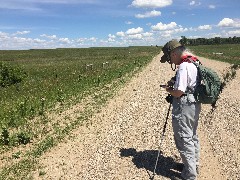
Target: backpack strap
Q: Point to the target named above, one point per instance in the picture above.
(190, 59)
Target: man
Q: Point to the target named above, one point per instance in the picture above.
(185, 111)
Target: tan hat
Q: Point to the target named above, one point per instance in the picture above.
(167, 48)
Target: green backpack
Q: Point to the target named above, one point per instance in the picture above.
(209, 85)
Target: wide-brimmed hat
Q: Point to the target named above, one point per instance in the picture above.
(167, 48)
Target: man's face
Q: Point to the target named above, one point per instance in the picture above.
(174, 58)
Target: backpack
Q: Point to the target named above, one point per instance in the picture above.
(209, 85)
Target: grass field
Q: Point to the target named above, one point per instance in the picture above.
(227, 52)
(61, 76)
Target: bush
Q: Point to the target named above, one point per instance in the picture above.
(10, 75)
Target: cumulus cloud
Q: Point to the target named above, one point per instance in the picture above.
(134, 31)
(135, 36)
(93, 39)
(153, 13)
(227, 22)
(81, 40)
(161, 27)
(151, 3)
(53, 37)
(111, 38)
(15, 41)
(120, 34)
(147, 34)
(3, 34)
(64, 40)
(205, 27)
(234, 33)
(39, 41)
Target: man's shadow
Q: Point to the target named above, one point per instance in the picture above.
(146, 159)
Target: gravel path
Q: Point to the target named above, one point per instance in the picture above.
(123, 139)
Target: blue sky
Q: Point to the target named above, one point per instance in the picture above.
(27, 24)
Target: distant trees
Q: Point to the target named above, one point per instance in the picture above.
(209, 41)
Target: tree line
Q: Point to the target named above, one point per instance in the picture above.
(209, 41)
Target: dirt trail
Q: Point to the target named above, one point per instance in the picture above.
(122, 140)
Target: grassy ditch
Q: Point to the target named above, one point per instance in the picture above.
(51, 82)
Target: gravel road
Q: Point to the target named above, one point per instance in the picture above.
(123, 139)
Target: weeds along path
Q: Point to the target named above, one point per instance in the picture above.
(122, 140)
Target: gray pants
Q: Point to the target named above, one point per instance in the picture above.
(185, 115)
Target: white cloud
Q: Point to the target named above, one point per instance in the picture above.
(147, 34)
(211, 6)
(111, 36)
(128, 22)
(234, 33)
(134, 31)
(161, 27)
(9, 41)
(111, 40)
(37, 40)
(180, 30)
(151, 3)
(135, 36)
(205, 27)
(192, 3)
(64, 40)
(153, 13)
(227, 22)
(21, 32)
(53, 37)
(81, 40)
(93, 39)
(3, 34)
(120, 34)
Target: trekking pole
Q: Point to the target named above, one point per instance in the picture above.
(162, 137)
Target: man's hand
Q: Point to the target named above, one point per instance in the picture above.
(175, 93)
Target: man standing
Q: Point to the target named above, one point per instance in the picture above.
(185, 111)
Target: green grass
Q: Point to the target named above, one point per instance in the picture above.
(58, 75)
(55, 80)
(231, 52)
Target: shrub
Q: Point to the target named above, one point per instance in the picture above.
(10, 75)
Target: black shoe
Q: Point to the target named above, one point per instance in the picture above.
(179, 167)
